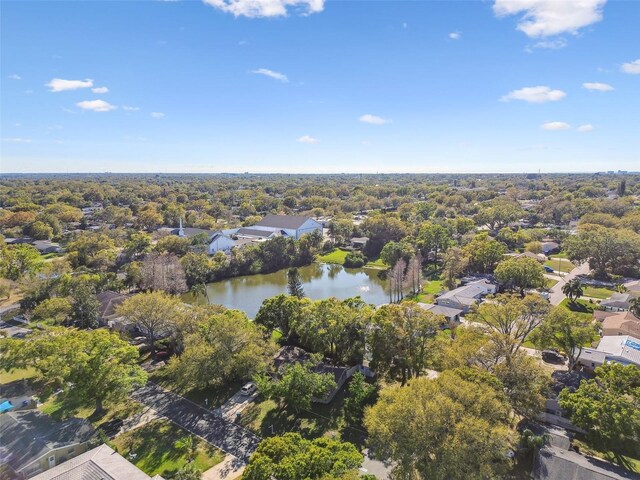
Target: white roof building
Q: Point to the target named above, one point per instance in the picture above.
(623, 349)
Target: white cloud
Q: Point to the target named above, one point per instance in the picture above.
(455, 35)
(17, 140)
(96, 105)
(545, 18)
(128, 108)
(266, 8)
(270, 73)
(404, 25)
(374, 119)
(585, 128)
(308, 139)
(157, 115)
(100, 90)
(601, 87)
(555, 126)
(539, 94)
(60, 85)
(631, 67)
(15, 77)
(554, 44)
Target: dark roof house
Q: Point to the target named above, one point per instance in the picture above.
(32, 442)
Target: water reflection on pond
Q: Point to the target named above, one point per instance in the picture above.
(319, 281)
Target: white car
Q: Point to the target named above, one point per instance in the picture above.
(248, 389)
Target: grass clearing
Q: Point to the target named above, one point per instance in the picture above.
(550, 282)
(154, 452)
(560, 264)
(429, 291)
(581, 307)
(558, 255)
(60, 407)
(596, 292)
(337, 255)
(17, 374)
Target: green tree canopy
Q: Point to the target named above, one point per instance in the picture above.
(520, 274)
(567, 331)
(400, 338)
(453, 427)
(607, 407)
(94, 365)
(291, 457)
(297, 384)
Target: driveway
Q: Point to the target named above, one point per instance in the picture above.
(223, 434)
(236, 405)
(557, 296)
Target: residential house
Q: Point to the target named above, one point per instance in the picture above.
(623, 349)
(451, 314)
(107, 316)
(557, 463)
(100, 463)
(466, 296)
(549, 248)
(47, 246)
(535, 256)
(617, 302)
(622, 323)
(359, 242)
(33, 442)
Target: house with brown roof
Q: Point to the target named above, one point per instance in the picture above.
(623, 323)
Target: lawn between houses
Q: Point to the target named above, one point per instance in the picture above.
(151, 447)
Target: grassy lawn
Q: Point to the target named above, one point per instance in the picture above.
(429, 291)
(560, 264)
(595, 292)
(155, 453)
(216, 395)
(550, 282)
(558, 255)
(59, 408)
(581, 307)
(337, 255)
(629, 462)
(266, 418)
(18, 374)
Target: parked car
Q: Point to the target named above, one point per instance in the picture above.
(548, 269)
(552, 356)
(248, 389)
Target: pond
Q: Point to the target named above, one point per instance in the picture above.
(319, 280)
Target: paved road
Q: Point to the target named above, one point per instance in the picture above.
(227, 436)
(556, 291)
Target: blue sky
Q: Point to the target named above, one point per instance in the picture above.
(313, 86)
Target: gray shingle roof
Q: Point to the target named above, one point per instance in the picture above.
(553, 463)
(283, 221)
(254, 232)
(28, 435)
(100, 463)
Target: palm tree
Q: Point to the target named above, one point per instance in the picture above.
(187, 445)
(573, 290)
